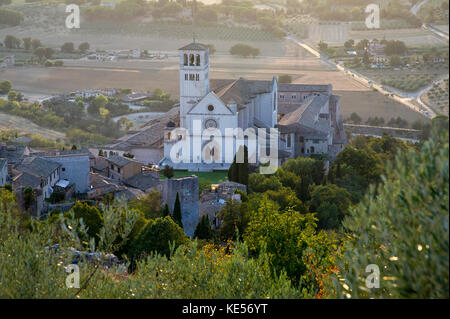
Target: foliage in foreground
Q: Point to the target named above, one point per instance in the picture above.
(29, 270)
(403, 229)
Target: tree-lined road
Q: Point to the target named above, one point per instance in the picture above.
(370, 83)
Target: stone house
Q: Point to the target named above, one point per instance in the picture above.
(314, 127)
(121, 168)
(75, 166)
(14, 154)
(46, 170)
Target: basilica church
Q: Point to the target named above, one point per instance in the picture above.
(306, 117)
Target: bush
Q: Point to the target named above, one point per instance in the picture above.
(244, 50)
(157, 237)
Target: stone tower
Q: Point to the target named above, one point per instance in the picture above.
(194, 77)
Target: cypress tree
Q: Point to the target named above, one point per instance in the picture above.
(165, 211)
(203, 229)
(243, 169)
(238, 172)
(177, 211)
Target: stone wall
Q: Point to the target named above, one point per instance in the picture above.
(402, 133)
(187, 188)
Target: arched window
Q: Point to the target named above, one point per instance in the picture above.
(198, 59)
(185, 59)
(192, 60)
(312, 150)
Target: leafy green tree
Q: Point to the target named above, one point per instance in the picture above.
(12, 96)
(49, 52)
(394, 60)
(403, 228)
(323, 47)
(157, 236)
(167, 171)
(27, 43)
(99, 102)
(28, 197)
(177, 217)
(91, 216)
(286, 199)
(349, 44)
(11, 42)
(331, 204)
(83, 47)
(166, 211)
(287, 238)
(203, 229)
(234, 216)
(311, 171)
(259, 183)
(244, 50)
(36, 43)
(366, 163)
(366, 58)
(5, 87)
(149, 205)
(40, 53)
(68, 47)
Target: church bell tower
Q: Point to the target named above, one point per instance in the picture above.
(194, 77)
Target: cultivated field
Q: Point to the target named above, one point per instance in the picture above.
(47, 23)
(412, 37)
(437, 98)
(370, 104)
(26, 126)
(148, 75)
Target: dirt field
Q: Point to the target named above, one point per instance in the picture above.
(26, 126)
(370, 104)
(148, 75)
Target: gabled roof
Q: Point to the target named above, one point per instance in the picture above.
(14, 153)
(239, 91)
(24, 180)
(306, 112)
(142, 181)
(38, 166)
(150, 135)
(194, 46)
(120, 161)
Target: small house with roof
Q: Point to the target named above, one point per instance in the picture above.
(121, 168)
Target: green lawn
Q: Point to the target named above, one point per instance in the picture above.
(209, 177)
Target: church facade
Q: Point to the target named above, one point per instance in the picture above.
(211, 109)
